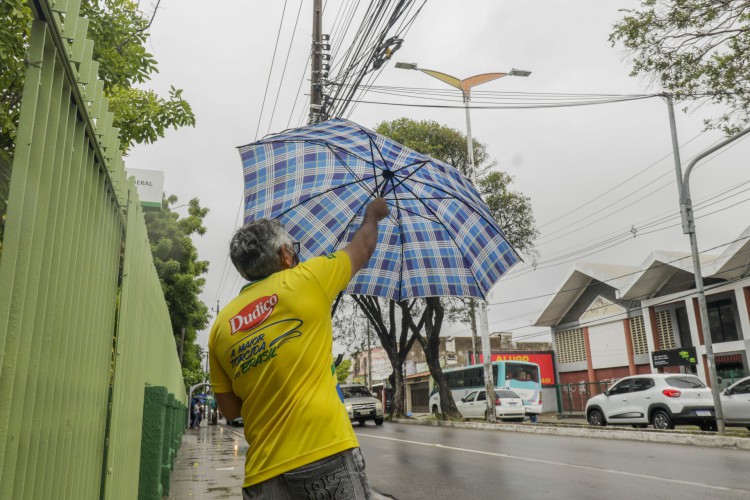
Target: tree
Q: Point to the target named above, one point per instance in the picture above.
(120, 33)
(192, 376)
(395, 339)
(180, 271)
(342, 371)
(510, 209)
(694, 49)
(438, 141)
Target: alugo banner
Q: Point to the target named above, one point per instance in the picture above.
(545, 360)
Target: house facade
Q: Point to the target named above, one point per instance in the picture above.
(608, 321)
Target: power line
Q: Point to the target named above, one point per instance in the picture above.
(655, 266)
(283, 71)
(270, 71)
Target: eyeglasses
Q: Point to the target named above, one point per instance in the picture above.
(295, 249)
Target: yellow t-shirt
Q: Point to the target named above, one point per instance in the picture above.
(272, 347)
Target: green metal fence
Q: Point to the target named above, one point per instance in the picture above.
(572, 398)
(84, 328)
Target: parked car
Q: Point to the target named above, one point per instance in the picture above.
(735, 402)
(237, 422)
(508, 405)
(663, 400)
(361, 405)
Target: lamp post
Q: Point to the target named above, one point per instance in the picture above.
(465, 87)
(688, 227)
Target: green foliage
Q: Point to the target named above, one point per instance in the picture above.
(342, 371)
(120, 34)
(694, 49)
(192, 376)
(511, 209)
(438, 141)
(180, 271)
(5, 163)
(15, 16)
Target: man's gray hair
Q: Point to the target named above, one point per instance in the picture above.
(254, 249)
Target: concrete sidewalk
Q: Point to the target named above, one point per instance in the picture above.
(210, 464)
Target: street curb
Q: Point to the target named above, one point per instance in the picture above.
(709, 441)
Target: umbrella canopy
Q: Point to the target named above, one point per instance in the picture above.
(439, 239)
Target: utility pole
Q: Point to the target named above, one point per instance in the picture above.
(688, 227)
(369, 359)
(316, 68)
(465, 87)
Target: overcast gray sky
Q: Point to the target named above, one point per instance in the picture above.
(561, 158)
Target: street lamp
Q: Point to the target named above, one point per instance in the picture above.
(465, 87)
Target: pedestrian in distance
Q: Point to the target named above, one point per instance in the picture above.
(271, 362)
(194, 412)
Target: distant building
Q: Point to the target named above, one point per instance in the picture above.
(611, 321)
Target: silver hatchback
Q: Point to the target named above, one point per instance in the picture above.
(662, 399)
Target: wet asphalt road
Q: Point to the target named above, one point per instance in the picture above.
(411, 462)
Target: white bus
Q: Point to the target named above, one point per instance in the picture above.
(521, 377)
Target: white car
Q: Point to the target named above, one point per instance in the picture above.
(508, 405)
(661, 399)
(735, 403)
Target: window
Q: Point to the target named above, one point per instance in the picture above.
(664, 327)
(482, 396)
(638, 335)
(356, 391)
(521, 373)
(743, 388)
(621, 387)
(470, 397)
(571, 347)
(685, 382)
(641, 384)
(506, 394)
(721, 319)
(683, 325)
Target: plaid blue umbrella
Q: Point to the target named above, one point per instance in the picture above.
(439, 239)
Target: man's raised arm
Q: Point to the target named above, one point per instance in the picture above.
(362, 246)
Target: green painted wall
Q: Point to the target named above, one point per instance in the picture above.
(82, 315)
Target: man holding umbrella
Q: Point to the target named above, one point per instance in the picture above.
(271, 363)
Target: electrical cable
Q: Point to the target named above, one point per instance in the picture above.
(270, 71)
(283, 71)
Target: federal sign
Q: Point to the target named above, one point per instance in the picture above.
(150, 186)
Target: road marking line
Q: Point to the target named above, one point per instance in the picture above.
(562, 464)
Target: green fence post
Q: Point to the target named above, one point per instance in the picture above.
(167, 452)
(558, 392)
(152, 441)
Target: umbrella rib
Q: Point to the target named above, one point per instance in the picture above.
(407, 177)
(399, 222)
(358, 181)
(450, 234)
(348, 225)
(335, 154)
(380, 153)
(456, 197)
